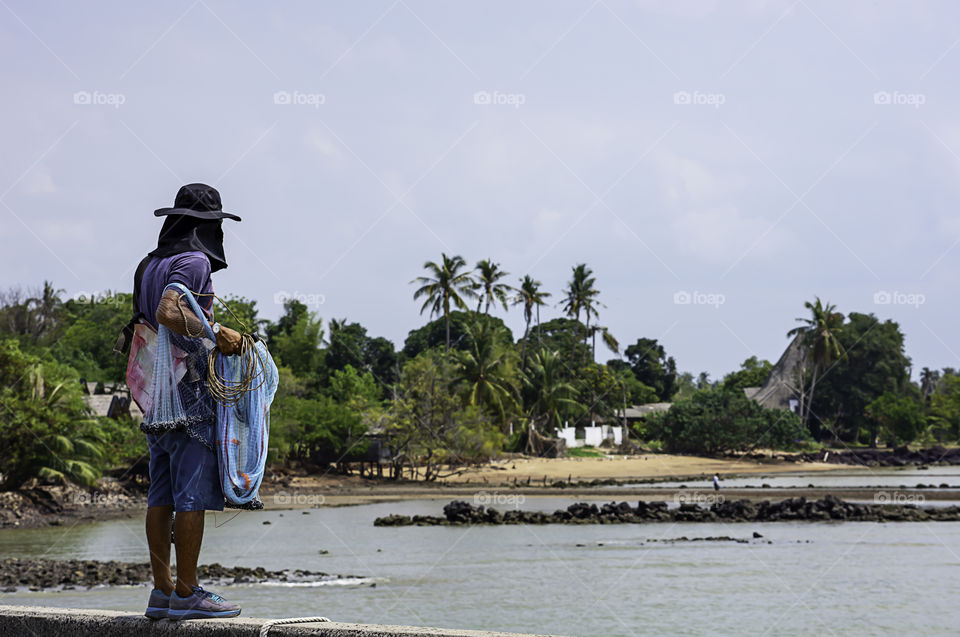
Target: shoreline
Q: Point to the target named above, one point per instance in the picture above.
(599, 479)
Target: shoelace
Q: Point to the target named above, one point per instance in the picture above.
(208, 594)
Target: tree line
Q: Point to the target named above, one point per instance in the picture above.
(462, 388)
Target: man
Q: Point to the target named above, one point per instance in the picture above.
(184, 476)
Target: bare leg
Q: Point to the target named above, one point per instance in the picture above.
(187, 536)
(158, 539)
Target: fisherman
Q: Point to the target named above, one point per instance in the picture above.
(184, 474)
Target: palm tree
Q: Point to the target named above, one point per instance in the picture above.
(487, 281)
(487, 370)
(581, 296)
(608, 339)
(819, 336)
(550, 393)
(44, 310)
(447, 285)
(531, 297)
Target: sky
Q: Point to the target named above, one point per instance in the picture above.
(715, 164)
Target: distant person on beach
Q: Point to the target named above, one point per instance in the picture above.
(716, 482)
(184, 472)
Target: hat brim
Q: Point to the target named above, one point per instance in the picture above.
(199, 214)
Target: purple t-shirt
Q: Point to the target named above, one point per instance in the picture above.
(191, 269)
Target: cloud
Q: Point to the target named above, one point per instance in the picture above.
(321, 141)
(38, 182)
(722, 235)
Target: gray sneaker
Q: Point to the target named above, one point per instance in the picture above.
(200, 604)
(158, 604)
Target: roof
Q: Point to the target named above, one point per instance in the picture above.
(642, 411)
(783, 383)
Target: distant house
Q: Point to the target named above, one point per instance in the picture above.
(603, 429)
(108, 401)
(637, 413)
(783, 386)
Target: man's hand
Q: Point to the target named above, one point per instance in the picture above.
(228, 341)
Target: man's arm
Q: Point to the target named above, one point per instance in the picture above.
(177, 317)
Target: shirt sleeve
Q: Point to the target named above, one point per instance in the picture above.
(192, 270)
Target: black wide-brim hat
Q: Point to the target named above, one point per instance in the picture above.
(197, 200)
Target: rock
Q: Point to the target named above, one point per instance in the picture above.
(829, 507)
(756, 535)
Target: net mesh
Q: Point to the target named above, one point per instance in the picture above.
(238, 429)
(243, 426)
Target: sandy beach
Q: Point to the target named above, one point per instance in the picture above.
(335, 490)
(641, 467)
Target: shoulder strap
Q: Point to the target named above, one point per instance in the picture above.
(123, 340)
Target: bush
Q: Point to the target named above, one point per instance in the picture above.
(45, 431)
(718, 421)
(899, 419)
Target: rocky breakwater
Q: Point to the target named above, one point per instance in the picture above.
(898, 457)
(828, 508)
(40, 574)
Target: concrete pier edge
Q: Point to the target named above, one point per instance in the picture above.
(43, 621)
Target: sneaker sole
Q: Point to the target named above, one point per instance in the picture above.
(154, 612)
(177, 615)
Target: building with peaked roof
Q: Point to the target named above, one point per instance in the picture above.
(784, 384)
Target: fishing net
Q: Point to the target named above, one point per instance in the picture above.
(243, 423)
(223, 401)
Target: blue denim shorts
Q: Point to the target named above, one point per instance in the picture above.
(184, 473)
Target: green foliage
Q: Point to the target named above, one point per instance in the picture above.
(874, 364)
(45, 431)
(752, 373)
(486, 370)
(567, 336)
(489, 287)
(241, 316)
(716, 421)
(899, 419)
(652, 367)
(427, 421)
(548, 395)
(350, 345)
(945, 408)
(599, 389)
(433, 334)
(295, 341)
(444, 288)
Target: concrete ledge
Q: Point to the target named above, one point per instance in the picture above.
(72, 622)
